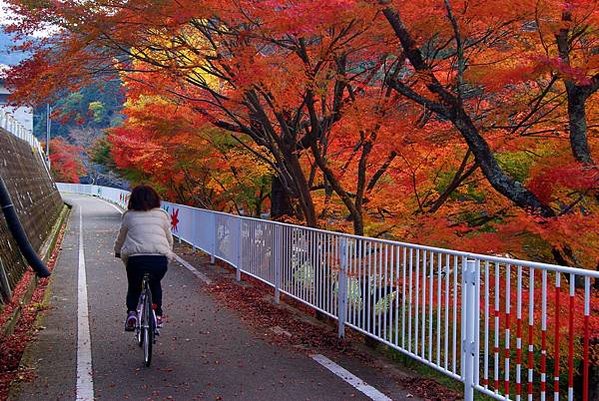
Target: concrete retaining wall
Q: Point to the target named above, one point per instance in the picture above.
(36, 200)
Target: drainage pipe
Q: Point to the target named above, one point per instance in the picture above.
(16, 229)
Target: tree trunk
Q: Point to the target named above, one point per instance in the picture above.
(503, 183)
(361, 185)
(356, 215)
(299, 181)
(578, 124)
(577, 96)
(450, 107)
(280, 200)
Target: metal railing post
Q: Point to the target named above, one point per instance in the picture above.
(213, 239)
(239, 236)
(194, 231)
(277, 255)
(342, 293)
(471, 324)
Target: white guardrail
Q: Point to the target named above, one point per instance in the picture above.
(510, 329)
(10, 124)
(14, 127)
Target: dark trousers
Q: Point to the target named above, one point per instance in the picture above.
(156, 265)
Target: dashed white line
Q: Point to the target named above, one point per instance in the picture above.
(85, 381)
(351, 379)
(192, 269)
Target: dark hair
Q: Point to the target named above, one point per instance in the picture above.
(144, 198)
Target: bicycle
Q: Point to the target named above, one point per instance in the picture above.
(146, 328)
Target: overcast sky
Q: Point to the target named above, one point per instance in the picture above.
(5, 17)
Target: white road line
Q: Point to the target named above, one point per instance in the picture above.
(178, 258)
(350, 378)
(118, 209)
(192, 269)
(85, 382)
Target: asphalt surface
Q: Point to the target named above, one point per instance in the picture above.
(203, 353)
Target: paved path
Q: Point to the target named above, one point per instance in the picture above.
(204, 352)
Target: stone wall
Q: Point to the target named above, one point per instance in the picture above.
(36, 200)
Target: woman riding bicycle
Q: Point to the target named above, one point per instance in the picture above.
(144, 244)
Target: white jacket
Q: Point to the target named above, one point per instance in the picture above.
(144, 233)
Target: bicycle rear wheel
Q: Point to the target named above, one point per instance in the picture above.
(148, 328)
(139, 328)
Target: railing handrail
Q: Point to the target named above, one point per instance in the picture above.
(473, 255)
(454, 252)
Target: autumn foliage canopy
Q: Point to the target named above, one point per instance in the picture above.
(453, 123)
(65, 162)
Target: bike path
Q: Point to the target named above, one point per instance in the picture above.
(203, 353)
